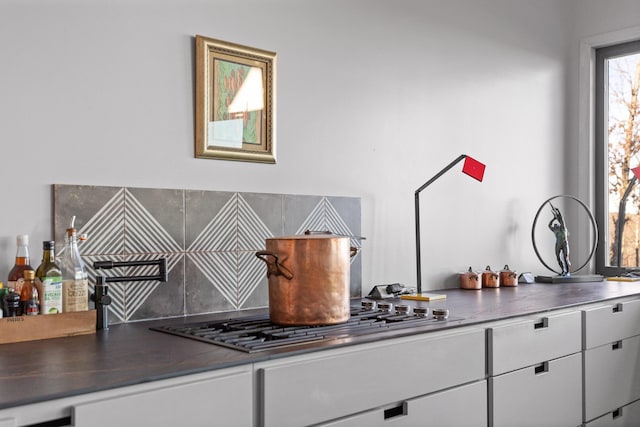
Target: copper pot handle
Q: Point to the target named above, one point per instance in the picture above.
(354, 251)
(272, 265)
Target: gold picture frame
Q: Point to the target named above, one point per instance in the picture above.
(235, 102)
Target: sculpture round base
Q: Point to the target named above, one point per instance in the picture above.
(576, 278)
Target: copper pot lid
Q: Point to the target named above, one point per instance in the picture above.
(314, 234)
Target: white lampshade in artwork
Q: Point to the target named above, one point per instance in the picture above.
(250, 96)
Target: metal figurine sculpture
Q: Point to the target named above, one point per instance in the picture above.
(559, 228)
(561, 232)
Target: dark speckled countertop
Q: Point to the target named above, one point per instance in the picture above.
(132, 353)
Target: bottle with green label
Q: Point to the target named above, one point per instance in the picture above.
(49, 280)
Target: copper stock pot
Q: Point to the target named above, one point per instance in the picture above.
(309, 277)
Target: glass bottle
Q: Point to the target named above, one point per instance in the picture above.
(49, 280)
(3, 291)
(16, 275)
(75, 284)
(29, 307)
(11, 303)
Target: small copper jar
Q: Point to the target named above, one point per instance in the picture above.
(508, 277)
(469, 280)
(490, 278)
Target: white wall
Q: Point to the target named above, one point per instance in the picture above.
(373, 98)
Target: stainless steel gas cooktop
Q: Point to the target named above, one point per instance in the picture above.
(258, 333)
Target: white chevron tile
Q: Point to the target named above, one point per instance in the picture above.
(251, 272)
(324, 217)
(136, 294)
(221, 232)
(220, 269)
(105, 228)
(143, 233)
(252, 231)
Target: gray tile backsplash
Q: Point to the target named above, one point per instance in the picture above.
(208, 237)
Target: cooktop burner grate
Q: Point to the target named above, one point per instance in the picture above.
(257, 333)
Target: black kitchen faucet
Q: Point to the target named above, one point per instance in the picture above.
(101, 295)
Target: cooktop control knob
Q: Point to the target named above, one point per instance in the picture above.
(385, 306)
(402, 309)
(421, 311)
(368, 305)
(440, 313)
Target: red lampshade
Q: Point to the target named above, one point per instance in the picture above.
(475, 169)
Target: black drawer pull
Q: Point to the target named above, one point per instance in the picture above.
(60, 422)
(617, 308)
(395, 411)
(616, 414)
(542, 323)
(616, 345)
(542, 368)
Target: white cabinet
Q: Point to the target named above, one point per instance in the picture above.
(531, 340)
(333, 384)
(463, 406)
(625, 416)
(221, 397)
(607, 323)
(612, 360)
(547, 394)
(535, 371)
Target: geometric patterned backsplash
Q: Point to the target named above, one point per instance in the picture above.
(209, 239)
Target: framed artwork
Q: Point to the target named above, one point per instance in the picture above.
(235, 102)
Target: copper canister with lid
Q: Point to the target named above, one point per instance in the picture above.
(490, 278)
(508, 277)
(470, 280)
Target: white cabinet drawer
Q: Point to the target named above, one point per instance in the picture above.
(533, 340)
(627, 416)
(223, 399)
(546, 395)
(438, 409)
(611, 376)
(321, 387)
(611, 323)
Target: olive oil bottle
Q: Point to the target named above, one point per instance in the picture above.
(49, 280)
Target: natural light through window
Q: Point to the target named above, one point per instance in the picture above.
(621, 130)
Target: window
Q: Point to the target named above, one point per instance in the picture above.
(617, 142)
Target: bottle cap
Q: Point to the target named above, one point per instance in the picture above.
(48, 244)
(29, 274)
(23, 239)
